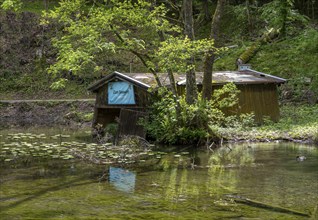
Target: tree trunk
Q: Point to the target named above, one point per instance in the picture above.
(249, 19)
(209, 59)
(250, 52)
(170, 73)
(205, 10)
(172, 82)
(191, 87)
(284, 13)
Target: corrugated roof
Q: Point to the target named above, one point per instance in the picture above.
(146, 80)
(238, 77)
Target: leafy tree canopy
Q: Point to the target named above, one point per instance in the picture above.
(92, 29)
(142, 28)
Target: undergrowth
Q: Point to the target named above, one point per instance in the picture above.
(37, 86)
(298, 122)
(37, 6)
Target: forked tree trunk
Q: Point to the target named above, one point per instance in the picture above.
(191, 87)
(209, 59)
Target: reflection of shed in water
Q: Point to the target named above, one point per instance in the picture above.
(122, 179)
(126, 96)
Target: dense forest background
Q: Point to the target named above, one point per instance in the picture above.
(29, 49)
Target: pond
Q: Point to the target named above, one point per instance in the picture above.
(240, 181)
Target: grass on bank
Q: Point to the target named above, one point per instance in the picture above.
(37, 86)
(298, 122)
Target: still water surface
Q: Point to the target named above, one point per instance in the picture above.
(194, 185)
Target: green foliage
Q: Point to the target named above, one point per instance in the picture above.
(279, 13)
(94, 31)
(226, 97)
(242, 121)
(294, 59)
(300, 55)
(58, 85)
(36, 85)
(78, 116)
(38, 6)
(35, 6)
(174, 53)
(14, 5)
(112, 129)
(315, 138)
(196, 122)
(298, 122)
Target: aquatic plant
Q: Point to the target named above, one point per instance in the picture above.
(19, 147)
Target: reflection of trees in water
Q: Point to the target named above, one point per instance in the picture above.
(171, 187)
(221, 177)
(221, 181)
(180, 187)
(232, 157)
(235, 170)
(210, 178)
(175, 181)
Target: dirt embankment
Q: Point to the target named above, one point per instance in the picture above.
(71, 114)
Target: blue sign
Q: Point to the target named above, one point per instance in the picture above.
(121, 93)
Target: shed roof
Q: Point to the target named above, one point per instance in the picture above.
(147, 80)
(120, 76)
(238, 77)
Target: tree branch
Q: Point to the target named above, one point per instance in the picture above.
(140, 56)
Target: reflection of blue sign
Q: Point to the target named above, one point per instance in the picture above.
(121, 93)
(122, 179)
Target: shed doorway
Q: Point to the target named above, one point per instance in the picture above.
(105, 116)
(129, 123)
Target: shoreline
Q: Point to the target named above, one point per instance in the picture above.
(77, 114)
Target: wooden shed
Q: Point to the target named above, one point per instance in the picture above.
(125, 97)
(120, 98)
(258, 91)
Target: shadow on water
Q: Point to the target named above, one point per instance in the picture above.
(72, 183)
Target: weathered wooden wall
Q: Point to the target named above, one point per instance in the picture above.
(262, 99)
(129, 123)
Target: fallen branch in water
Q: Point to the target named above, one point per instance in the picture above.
(315, 213)
(243, 200)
